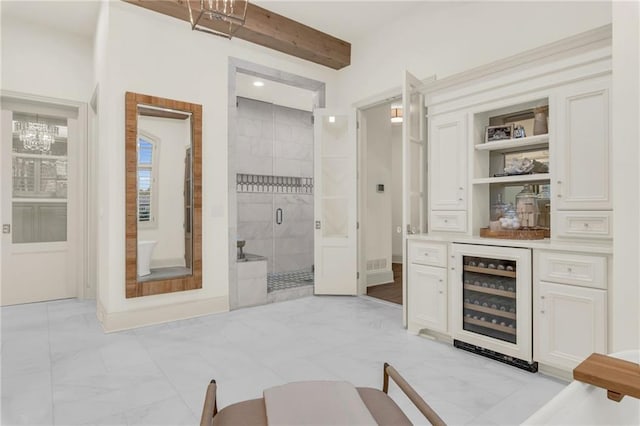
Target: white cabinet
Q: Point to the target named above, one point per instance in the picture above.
(427, 298)
(427, 286)
(448, 162)
(570, 324)
(582, 155)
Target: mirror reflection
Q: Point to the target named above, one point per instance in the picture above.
(164, 193)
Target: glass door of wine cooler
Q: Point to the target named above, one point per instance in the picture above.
(489, 292)
(491, 296)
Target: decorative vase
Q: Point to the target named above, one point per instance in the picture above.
(540, 121)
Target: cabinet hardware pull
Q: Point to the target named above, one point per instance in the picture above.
(459, 199)
(559, 182)
(559, 195)
(542, 312)
(586, 225)
(446, 221)
(426, 254)
(440, 292)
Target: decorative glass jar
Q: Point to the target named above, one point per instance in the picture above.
(527, 207)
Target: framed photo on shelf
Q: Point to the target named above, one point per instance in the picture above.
(498, 133)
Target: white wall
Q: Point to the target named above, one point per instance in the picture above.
(445, 38)
(46, 62)
(625, 294)
(396, 191)
(154, 54)
(378, 166)
(168, 231)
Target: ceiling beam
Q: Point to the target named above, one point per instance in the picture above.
(268, 29)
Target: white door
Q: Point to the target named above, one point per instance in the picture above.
(583, 148)
(428, 301)
(414, 170)
(448, 173)
(42, 215)
(560, 310)
(335, 202)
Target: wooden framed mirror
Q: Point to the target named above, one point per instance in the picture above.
(163, 157)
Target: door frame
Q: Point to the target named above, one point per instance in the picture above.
(389, 95)
(242, 66)
(81, 247)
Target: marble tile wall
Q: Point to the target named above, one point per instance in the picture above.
(278, 141)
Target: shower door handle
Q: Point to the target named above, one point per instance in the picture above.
(279, 216)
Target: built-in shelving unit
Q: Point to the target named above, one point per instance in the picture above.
(495, 163)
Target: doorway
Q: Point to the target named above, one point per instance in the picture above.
(381, 198)
(271, 242)
(43, 199)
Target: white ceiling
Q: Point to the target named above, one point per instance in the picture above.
(347, 20)
(275, 93)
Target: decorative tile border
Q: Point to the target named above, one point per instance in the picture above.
(273, 184)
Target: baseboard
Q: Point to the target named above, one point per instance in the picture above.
(118, 321)
(556, 372)
(379, 277)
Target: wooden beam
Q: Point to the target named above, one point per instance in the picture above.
(267, 29)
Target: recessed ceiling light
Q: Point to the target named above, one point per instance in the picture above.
(258, 83)
(332, 119)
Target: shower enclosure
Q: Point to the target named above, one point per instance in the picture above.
(274, 184)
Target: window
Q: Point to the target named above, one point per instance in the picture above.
(148, 150)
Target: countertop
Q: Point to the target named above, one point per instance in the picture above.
(604, 247)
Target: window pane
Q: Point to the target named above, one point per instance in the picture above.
(39, 168)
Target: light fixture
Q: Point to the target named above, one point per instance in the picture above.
(258, 83)
(396, 114)
(332, 119)
(36, 136)
(230, 13)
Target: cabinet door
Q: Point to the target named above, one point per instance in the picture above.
(427, 297)
(570, 324)
(583, 148)
(448, 162)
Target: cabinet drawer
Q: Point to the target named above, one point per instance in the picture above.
(577, 269)
(585, 224)
(427, 253)
(449, 221)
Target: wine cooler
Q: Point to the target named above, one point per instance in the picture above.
(492, 303)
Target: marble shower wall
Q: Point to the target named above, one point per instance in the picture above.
(277, 141)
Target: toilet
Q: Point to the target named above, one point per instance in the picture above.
(145, 250)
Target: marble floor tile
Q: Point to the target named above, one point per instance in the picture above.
(56, 358)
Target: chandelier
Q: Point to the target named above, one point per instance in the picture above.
(36, 136)
(231, 13)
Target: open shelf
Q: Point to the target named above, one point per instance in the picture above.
(530, 142)
(486, 324)
(489, 271)
(491, 311)
(495, 292)
(536, 177)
